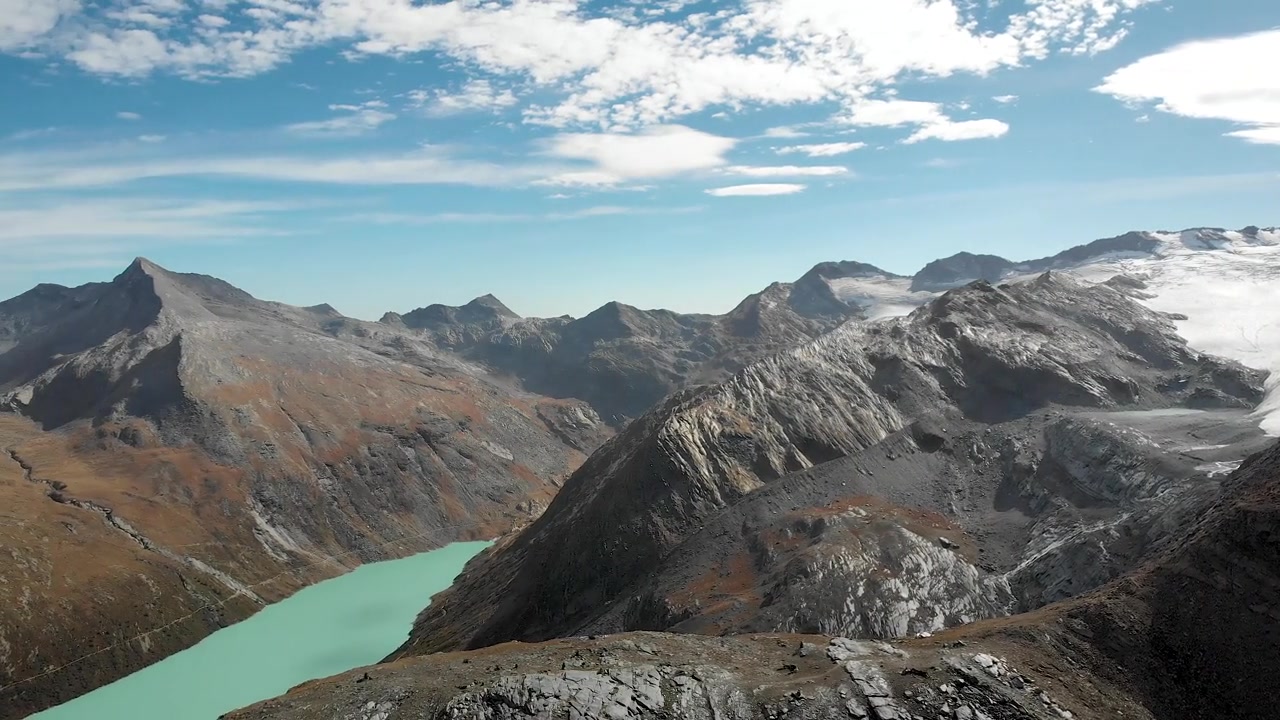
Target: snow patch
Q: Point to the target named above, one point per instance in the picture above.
(879, 296)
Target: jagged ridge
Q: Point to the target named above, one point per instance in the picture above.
(976, 355)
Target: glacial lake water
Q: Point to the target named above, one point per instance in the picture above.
(331, 627)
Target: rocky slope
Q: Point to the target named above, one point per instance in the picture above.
(1191, 635)
(1222, 286)
(960, 411)
(177, 453)
(648, 676)
(623, 360)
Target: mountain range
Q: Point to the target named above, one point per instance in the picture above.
(856, 453)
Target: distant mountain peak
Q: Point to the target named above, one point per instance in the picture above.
(493, 303)
(484, 310)
(846, 269)
(323, 309)
(960, 269)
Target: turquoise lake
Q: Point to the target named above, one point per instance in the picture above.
(331, 627)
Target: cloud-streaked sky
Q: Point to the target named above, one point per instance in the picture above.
(384, 154)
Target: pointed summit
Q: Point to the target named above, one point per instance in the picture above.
(142, 266)
(488, 301)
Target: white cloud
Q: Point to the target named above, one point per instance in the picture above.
(143, 14)
(125, 115)
(822, 149)
(787, 170)
(151, 138)
(1260, 135)
(457, 217)
(784, 132)
(931, 122)
(893, 113)
(1005, 99)
(952, 131)
(1232, 79)
(657, 152)
(475, 96)
(213, 21)
(757, 190)
(353, 120)
(23, 22)
(596, 67)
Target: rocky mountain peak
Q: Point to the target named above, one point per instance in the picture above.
(324, 310)
(485, 311)
(845, 269)
(958, 269)
(494, 304)
(611, 321)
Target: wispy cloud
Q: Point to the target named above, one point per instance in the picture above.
(786, 170)
(821, 149)
(110, 166)
(32, 134)
(351, 120)
(463, 217)
(757, 190)
(126, 115)
(475, 96)
(82, 233)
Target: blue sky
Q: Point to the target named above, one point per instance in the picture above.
(385, 154)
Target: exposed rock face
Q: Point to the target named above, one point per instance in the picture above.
(651, 676)
(1191, 634)
(236, 451)
(978, 359)
(1197, 629)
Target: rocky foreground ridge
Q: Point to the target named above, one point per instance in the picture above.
(1190, 634)
(175, 453)
(976, 472)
